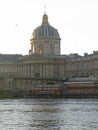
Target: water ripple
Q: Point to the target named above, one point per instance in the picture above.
(49, 114)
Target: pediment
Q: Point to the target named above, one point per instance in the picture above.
(34, 58)
(38, 58)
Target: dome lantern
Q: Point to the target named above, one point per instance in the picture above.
(45, 19)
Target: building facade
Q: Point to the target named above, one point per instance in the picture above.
(44, 62)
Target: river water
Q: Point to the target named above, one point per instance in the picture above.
(49, 114)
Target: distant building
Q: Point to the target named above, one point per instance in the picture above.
(44, 62)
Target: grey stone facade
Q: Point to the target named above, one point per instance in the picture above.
(44, 62)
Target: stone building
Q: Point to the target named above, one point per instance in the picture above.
(8, 70)
(45, 63)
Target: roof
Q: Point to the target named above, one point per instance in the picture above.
(9, 57)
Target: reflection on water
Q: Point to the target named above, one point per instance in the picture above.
(49, 114)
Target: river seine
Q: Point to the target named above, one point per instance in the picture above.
(49, 114)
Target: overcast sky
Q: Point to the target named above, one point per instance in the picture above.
(75, 20)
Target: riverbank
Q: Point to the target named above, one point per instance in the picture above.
(11, 94)
(22, 94)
